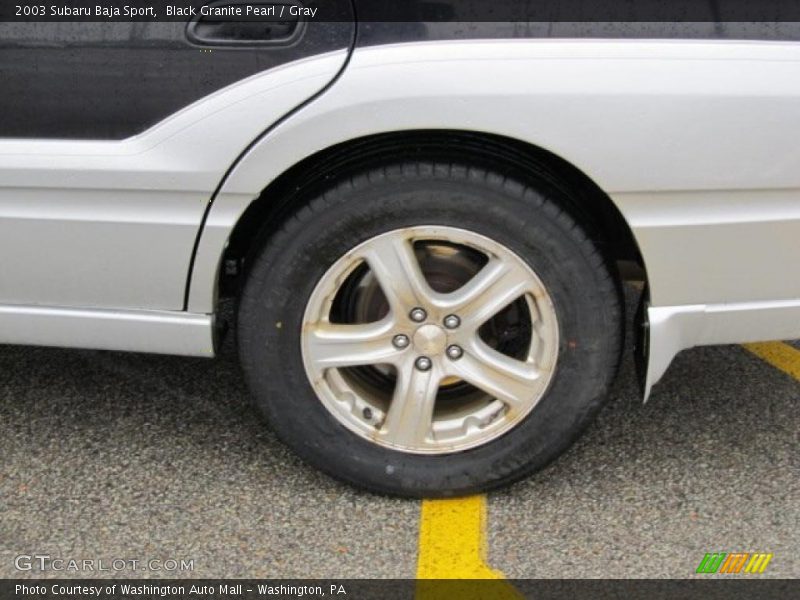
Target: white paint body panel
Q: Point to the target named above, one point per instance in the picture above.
(632, 115)
(676, 328)
(696, 142)
(112, 224)
(718, 247)
(163, 332)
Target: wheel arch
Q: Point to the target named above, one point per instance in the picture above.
(471, 102)
(521, 160)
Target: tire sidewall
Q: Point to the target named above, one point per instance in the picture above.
(286, 272)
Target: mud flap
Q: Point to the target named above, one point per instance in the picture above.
(641, 333)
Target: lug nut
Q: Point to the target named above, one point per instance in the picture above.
(418, 315)
(454, 352)
(400, 341)
(452, 321)
(423, 363)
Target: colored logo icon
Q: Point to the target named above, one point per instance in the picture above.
(734, 562)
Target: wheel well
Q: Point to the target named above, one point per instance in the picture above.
(585, 201)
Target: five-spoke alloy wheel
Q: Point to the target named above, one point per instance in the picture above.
(438, 370)
(429, 329)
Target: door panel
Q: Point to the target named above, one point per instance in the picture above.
(114, 80)
(110, 220)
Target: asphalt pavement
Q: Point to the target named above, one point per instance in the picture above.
(112, 455)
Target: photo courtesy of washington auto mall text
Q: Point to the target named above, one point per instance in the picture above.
(158, 590)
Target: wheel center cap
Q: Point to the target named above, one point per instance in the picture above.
(430, 340)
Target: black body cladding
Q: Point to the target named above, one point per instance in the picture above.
(115, 80)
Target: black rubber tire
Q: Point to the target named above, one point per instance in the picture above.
(523, 218)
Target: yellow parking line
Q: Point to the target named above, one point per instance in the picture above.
(452, 533)
(778, 354)
(452, 545)
(452, 540)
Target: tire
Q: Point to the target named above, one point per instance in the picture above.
(523, 219)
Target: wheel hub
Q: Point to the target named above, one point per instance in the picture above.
(430, 340)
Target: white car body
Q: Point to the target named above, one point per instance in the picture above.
(695, 143)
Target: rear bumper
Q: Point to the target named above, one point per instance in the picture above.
(675, 328)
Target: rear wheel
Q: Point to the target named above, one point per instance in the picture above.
(429, 330)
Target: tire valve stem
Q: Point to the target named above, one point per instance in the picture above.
(367, 412)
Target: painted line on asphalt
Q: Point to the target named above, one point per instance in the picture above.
(779, 355)
(452, 540)
(453, 545)
(452, 533)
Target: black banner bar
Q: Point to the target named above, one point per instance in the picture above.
(719, 11)
(700, 588)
